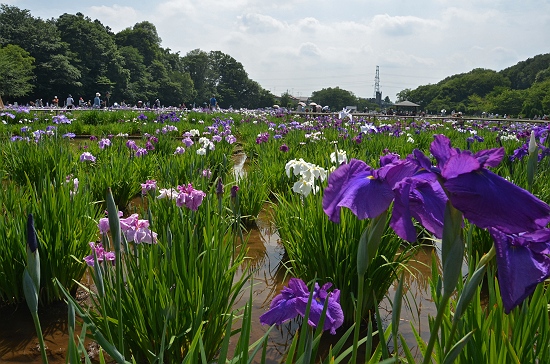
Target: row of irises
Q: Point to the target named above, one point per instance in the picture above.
(306, 139)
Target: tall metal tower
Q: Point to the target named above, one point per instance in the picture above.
(377, 92)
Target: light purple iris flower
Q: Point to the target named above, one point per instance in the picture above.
(483, 197)
(103, 143)
(149, 185)
(100, 253)
(523, 263)
(187, 141)
(189, 197)
(140, 152)
(87, 157)
(137, 230)
(292, 301)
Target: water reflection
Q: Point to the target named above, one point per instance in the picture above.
(264, 257)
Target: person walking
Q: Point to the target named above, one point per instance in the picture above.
(70, 102)
(213, 103)
(97, 101)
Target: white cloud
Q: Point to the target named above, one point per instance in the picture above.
(253, 23)
(116, 17)
(309, 50)
(401, 25)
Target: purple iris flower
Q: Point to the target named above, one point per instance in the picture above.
(149, 185)
(365, 191)
(523, 262)
(483, 197)
(187, 141)
(104, 143)
(87, 157)
(230, 139)
(140, 152)
(189, 197)
(368, 193)
(101, 254)
(132, 145)
(423, 198)
(292, 301)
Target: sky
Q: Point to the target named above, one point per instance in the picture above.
(301, 46)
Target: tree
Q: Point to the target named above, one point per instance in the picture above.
(231, 81)
(16, 71)
(287, 101)
(94, 49)
(404, 95)
(336, 98)
(536, 98)
(144, 37)
(524, 74)
(508, 102)
(196, 63)
(55, 69)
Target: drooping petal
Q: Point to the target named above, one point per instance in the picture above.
(284, 311)
(490, 157)
(488, 200)
(334, 316)
(283, 307)
(520, 269)
(401, 219)
(351, 185)
(423, 198)
(460, 164)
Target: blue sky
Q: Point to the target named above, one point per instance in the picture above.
(306, 45)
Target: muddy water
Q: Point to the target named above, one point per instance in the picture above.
(18, 340)
(265, 252)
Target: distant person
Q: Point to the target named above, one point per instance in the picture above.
(70, 102)
(213, 103)
(97, 101)
(55, 101)
(81, 102)
(157, 104)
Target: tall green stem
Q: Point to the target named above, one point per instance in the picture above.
(40, 337)
(358, 316)
(435, 328)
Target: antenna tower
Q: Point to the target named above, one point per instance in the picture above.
(377, 93)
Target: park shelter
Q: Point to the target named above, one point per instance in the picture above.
(406, 106)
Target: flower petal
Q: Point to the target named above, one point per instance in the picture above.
(520, 269)
(352, 185)
(489, 200)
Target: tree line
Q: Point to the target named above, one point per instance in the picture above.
(522, 90)
(73, 54)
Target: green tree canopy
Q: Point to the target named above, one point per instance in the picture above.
(55, 69)
(16, 71)
(95, 52)
(336, 98)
